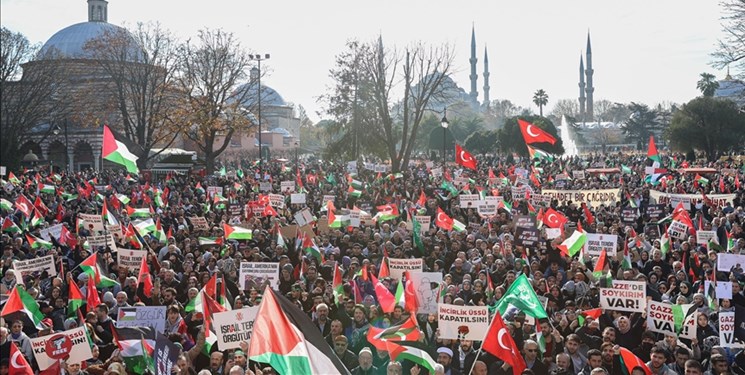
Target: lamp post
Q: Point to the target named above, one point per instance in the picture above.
(259, 59)
(297, 144)
(444, 123)
(56, 131)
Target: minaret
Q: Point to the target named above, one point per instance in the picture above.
(486, 79)
(97, 11)
(589, 89)
(581, 89)
(474, 77)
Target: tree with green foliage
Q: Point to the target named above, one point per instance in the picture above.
(640, 125)
(540, 98)
(707, 124)
(707, 84)
(482, 141)
(511, 139)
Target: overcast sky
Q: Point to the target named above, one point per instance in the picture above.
(644, 51)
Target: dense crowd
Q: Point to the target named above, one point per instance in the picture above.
(478, 263)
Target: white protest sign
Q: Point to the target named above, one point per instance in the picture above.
(258, 274)
(425, 222)
(2, 170)
(327, 198)
(463, 322)
(436, 172)
(72, 346)
(519, 193)
(678, 230)
(92, 221)
(265, 186)
(129, 258)
(102, 240)
(297, 198)
(716, 200)
(142, 316)
(597, 242)
(468, 200)
(426, 285)
(23, 268)
(624, 296)
(212, 190)
(303, 217)
(723, 289)
(234, 327)
(486, 208)
(661, 318)
(398, 266)
(52, 232)
(725, 262)
(704, 236)
(287, 186)
(552, 233)
(354, 218)
(277, 200)
(727, 330)
(578, 175)
(199, 223)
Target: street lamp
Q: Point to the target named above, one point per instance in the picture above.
(56, 130)
(259, 59)
(444, 123)
(297, 144)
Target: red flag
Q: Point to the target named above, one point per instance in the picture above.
(737, 182)
(721, 185)
(144, 277)
(589, 219)
(92, 298)
(600, 265)
(410, 293)
(269, 211)
(499, 343)
(630, 360)
(554, 219)
(384, 271)
(422, 201)
(24, 205)
(442, 220)
(67, 238)
(386, 299)
(534, 134)
(60, 212)
(464, 158)
(18, 364)
(43, 209)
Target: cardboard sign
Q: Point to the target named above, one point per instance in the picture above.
(468, 200)
(398, 266)
(289, 231)
(426, 285)
(597, 242)
(23, 268)
(624, 296)
(258, 274)
(129, 258)
(142, 316)
(660, 318)
(463, 322)
(425, 223)
(72, 346)
(527, 237)
(704, 236)
(234, 327)
(593, 198)
(524, 221)
(726, 262)
(678, 230)
(199, 223)
(287, 187)
(727, 330)
(297, 198)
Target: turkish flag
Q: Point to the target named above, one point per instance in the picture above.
(24, 205)
(464, 158)
(18, 363)
(553, 218)
(92, 299)
(500, 344)
(534, 134)
(442, 220)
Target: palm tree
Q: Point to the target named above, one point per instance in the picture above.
(707, 84)
(540, 98)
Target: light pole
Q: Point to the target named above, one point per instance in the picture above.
(444, 123)
(297, 144)
(259, 59)
(56, 131)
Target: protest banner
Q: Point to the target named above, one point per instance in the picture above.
(265, 186)
(624, 296)
(727, 330)
(142, 316)
(298, 198)
(235, 209)
(91, 221)
(165, 355)
(102, 240)
(212, 190)
(23, 268)
(726, 262)
(426, 285)
(129, 258)
(660, 318)
(199, 223)
(552, 233)
(654, 211)
(468, 200)
(303, 217)
(704, 236)
(287, 187)
(354, 218)
(716, 200)
(258, 274)
(234, 327)
(398, 266)
(424, 222)
(540, 199)
(629, 215)
(72, 346)
(723, 289)
(597, 242)
(578, 175)
(519, 193)
(463, 322)
(527, 236)
(524, 221)
(486, 208)
(52, 232)
(678, 230)
(593, 198)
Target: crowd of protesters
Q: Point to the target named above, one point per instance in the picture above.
(573, 343)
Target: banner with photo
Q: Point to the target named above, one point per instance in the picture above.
(257, 274)
(23, 268)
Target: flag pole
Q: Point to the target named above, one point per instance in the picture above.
(474, 361)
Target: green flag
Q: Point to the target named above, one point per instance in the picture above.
(416, 228)
(521, 295)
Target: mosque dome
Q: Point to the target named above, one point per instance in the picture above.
(249, 92)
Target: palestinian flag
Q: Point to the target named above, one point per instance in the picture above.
(352, 192)
(199, 189)
(13, 179)
(236, 233)
(652, 151)
(75, 299)
(386, 212)
(665, 244)
(145, 227)
(593, 314)
(338, 285)
(108, 217)
(458, 226)
(625, 169)
(356, 184)
(159, 233)
(6, 205)
(626, 262)
(406, 331)
(209, 241)
(601, 265)
(130, 342)
(20, 301)
(711, 295)
(36, 220)
(145, 278)
(681, 314)
(540, 339)
(629, 361)
(701, 179)
(117, 152)
(338, 221)
(209, 308)
(46, 189)
(539, 154)
(285, 338)
(38, 243)
(575, 242)
(310, 248)
(413, 351)
(10, 227)
(95, 270)
(138, 212)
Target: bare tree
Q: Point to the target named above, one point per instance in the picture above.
(731, 49)
(421, 70)
(141, 64)
(29, 101)
(211, 69)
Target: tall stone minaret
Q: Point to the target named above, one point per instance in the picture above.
(590, 88)
(581, 89)
(97, 11)
(474, 94)
(486, 79)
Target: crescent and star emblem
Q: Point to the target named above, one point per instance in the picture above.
(530, 133)
(502, 332)
(14, 360)
(439, 218)
(550, 218)
(463, 157)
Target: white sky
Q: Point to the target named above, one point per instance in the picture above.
(643, 50)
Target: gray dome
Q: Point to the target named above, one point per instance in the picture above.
(269, 96)
(70, 42)
(283, 131)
